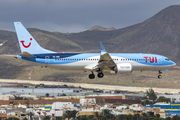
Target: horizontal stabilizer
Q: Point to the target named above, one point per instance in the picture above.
(15, 56)
(27, 55)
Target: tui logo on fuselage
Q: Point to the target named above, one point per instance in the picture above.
(152, 60)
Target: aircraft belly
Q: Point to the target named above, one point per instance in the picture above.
(71, 66)
(144, 67)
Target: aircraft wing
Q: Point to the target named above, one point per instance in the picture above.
(105, 62)
(105, 57)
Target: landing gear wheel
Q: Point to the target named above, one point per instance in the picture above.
(91, 76)
(159, 76)
(160, 72)
(100, 75)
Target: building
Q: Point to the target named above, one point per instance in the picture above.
(122, 101)
(19, 115)
(35, 103)
(60, 105)
(169, 109)
(134, 96)
(3, 116)
(88, 101)
(106, 96)
(88, 111)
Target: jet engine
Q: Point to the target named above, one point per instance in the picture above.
(123, 68)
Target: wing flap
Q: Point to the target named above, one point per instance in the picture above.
(94, 66)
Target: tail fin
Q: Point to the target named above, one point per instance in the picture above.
(26, 42)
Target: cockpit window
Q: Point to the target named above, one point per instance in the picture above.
(166, 59)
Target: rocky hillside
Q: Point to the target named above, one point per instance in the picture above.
(160, 34)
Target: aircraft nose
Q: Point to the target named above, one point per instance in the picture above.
(173, 63)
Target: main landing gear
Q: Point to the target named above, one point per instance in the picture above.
(100, 75)
(92, 76)
(160, 76)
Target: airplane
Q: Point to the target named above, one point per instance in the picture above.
(103, 63)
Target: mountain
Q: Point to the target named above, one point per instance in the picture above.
(96, 27)
(48, 40)
(159, 34)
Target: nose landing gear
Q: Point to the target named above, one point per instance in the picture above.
(160, 76)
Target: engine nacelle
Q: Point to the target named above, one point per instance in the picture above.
(123, 68)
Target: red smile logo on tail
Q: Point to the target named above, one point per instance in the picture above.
(26, 46)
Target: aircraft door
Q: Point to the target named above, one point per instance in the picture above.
(47, 60)
(159, 60)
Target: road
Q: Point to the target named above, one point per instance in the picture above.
(95, 86)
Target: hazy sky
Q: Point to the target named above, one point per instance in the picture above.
(78, 15)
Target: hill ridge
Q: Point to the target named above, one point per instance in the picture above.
(100, 28)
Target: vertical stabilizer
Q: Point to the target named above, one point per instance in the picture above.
(26, 42)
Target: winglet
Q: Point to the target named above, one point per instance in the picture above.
(103, 51)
